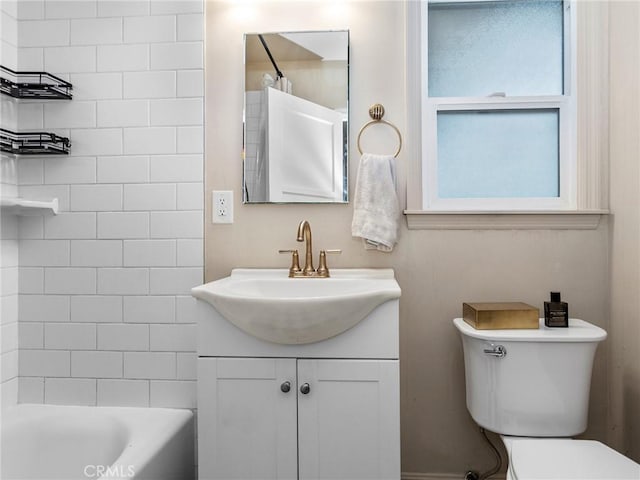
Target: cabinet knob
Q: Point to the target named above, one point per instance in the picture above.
(285, 386)
(305, 388)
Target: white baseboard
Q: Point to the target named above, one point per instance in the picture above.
(431, 476)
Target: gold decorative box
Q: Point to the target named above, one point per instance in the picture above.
(500, 315)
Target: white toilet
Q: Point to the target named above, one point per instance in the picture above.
(532, 387)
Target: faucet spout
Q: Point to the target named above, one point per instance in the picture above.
(304, 232)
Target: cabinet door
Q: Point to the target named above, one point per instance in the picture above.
(349, 421)
(246, 422)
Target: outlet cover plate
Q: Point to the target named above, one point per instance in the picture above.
(222, 206)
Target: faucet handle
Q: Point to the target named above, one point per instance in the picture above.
(323, 270)
(295, 261)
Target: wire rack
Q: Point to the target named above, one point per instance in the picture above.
(34, 85)
(33, 143)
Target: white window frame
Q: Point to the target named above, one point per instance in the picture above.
(564, 103)
(582, 169)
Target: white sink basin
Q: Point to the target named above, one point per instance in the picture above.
(269, 305)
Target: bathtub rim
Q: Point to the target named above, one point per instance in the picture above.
(148, 428)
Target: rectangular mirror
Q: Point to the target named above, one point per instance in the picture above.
(296, 111)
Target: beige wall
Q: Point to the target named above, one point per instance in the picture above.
(624, 366)
(437, 270)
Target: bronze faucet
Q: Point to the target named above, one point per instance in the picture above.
(304, 231)
(304, 234)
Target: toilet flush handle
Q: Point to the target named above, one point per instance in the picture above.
(496, 351)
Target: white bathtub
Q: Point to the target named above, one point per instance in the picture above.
(47, 442)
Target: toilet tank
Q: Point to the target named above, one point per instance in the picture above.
(539, 387)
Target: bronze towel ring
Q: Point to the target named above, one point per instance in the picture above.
(376, 112)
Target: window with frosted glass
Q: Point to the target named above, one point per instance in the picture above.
(476, 49)
(498, 153)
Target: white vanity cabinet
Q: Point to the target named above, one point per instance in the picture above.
(287, 418)
(323, 410)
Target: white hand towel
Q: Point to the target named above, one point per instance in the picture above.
(376, 210)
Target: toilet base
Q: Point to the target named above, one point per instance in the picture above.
(566, 459)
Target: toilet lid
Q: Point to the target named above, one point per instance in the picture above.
(566, 459)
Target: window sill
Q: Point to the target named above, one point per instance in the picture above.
(504, 220)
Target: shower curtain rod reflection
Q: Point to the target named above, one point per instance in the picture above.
(273, 62)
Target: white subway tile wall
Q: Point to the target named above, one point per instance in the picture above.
(77, 114)
(96, 86)
(123, 169)
(9, 245)
(30, 58)
(65, 60)
(150, 197)
(70, 391)
(149, 309)
(151, 84)
(44, 308)
(70, 9)
(30, 280)
(123, 393)
(96, 253)
(29, 116)
(150, 253)
(150, 29)
(30, 170)
(31, 390)
(122, 58)
(100, 31)
(70, 170)
(43, 33)
(95, 309)
(69, 336)
(105, 315)
(123, 8)
(96, 364)
(31, 335)
(121, 225)
(187, 366)
(190, 140)
(123, 113)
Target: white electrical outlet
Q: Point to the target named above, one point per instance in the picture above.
(222, 206)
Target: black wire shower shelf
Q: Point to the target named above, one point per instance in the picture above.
(34, 85)
(33, 143)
